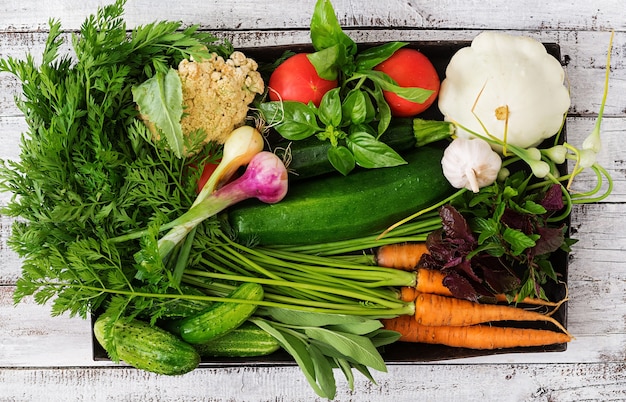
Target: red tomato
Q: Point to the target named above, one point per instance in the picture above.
(295, 79)
(207, 171)
(409, 68)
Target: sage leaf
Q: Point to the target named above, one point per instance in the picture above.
(359, 348)
(309, 318)
(382, 337)
(346, 369)
(357, 328)
(324, 375)
(297, 349)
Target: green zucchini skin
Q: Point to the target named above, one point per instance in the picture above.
(145, 347)
(222, 317)
(247, 340)
(339, 207)
(309, 157)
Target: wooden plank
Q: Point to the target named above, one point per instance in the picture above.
(487, 382)
(282, 14)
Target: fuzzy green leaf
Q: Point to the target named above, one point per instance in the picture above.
(160, 99)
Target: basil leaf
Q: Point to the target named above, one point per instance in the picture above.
(413, 94)
(325, 29)
(546, 267)
(329, 111)
(272, 112)
(292, 120)
(370, 153)
(486, 228)
(327, 61)
(342, 159)
(160, 98)
(518, 240)
(384, 111)
(532, 207)
(370, 58)
(359, 348)
(354, 107)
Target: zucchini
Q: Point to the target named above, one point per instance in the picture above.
(222, 317)
(248, 340)
(339, 207)
(308, 157)
(145, 347)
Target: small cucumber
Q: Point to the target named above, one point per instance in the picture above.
(222, 317)
(339, 207)
(145, 347)
(248, 340)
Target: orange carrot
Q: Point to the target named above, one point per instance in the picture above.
(431, 281)
(474, 336)
(408, 293)
(529, 300)
(435, 310)
(403, 256)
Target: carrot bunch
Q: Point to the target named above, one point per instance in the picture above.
(443, 319)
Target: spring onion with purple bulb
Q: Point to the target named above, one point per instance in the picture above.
(265, 178)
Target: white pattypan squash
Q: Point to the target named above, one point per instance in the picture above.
(506, 86)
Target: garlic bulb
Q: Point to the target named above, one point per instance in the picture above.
(470, 163)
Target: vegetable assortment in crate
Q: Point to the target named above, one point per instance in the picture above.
(282, 256)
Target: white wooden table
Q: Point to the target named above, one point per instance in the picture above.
(49, 359)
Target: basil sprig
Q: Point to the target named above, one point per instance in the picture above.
(354, 115)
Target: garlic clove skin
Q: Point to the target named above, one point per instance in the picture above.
(470, 163)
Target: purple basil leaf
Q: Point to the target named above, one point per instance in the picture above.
(460, 287)
(428, 261)
(551, 240)
(516, 220)
(454, 224)
(499, 279)
(553, 199)
(466, 267)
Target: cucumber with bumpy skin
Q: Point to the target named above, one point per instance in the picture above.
(342, 207)
(247, 340)
(144, 346)
(222, 317)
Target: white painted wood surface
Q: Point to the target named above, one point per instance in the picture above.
(49, 359)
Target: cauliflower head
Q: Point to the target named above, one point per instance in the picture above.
(217, 93)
